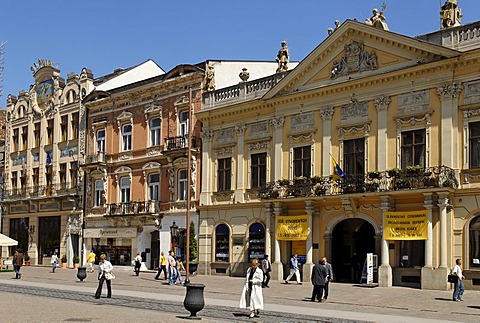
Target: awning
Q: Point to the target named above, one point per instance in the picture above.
(7, 241)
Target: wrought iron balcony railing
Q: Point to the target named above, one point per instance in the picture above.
(42, 190)
(391, 180)
(97, 158)
(178, 142)
(133, 208)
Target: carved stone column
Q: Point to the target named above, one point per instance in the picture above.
(381, 104)
(442, 204)
(277, 123)
(207, 162)
(308, 266)
(240, 187)
(448, 94)
(385, 276)
(277, 266)
(327, 114)
(268, 231)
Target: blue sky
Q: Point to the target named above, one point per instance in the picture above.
(106, 34)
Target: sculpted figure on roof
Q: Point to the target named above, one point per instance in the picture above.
(283, 58)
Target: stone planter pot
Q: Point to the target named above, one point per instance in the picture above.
(194, 301)
(81, 273)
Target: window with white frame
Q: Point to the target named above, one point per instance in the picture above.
(155, 127)
(474, 144)
(154, 187)
(302, 161)
(99, 192)
(101, 141)
(125, 189)
(182, 184)
(224, 173)
(258, 170)
(127, 137)
(413, 148)
(183, 123)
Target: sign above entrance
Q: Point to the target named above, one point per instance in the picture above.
(110, 233)
(405, 225)
(293, 227)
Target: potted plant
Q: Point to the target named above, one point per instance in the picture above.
(447, 183)
(193, 251)
(283, 182)
(320, 190)
(27, 259)
(371, 187)
(76, 261)
(316, 179)
(373, 174)
(64, 261)
(394, 172)
(414, 170)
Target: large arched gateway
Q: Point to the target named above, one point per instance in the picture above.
(352, 239)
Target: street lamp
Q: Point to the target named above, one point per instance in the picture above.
(174, 232)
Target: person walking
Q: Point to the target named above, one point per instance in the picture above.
(178, 267)
(329, 277)
(137, 263)
(459, 287)
(318, 278)
(104, 270)
(252, 295)
(294, 269)
(171, 269)
(17, 263)
(91, 261)
(54, 261)
(267, 268)
(162, 266)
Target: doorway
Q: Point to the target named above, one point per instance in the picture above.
(352, 239)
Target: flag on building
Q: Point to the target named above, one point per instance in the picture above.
(48, 162)
(337, 171)
(24, 167)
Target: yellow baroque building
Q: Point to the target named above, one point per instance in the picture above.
(400, 116)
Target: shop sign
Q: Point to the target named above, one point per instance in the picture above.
(405, 225)
(293, 227)
(110, 233)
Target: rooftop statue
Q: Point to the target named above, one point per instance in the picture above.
(450, 14)
(210, 78)
(283, 58)
(378, 19)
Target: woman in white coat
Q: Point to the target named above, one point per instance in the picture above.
(252, 296)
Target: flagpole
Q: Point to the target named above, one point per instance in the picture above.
(189, 179)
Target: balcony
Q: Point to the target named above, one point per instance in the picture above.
(39, 191)
(412, 178)
(177, 146)
(133, 208)
(95, 159)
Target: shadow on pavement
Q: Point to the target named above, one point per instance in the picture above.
(443, 299)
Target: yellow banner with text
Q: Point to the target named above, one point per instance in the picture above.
(293, 227)
(412, 225)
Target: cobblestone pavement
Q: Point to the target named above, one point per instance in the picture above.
(283, 303)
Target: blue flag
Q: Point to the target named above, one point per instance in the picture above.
(337, 171)
(48, 162)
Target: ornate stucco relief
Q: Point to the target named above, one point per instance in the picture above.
(413, 103)
(258, 130)
(302, 122)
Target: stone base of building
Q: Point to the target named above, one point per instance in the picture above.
(385, 276)
(435, 279)
(307, 272)
(277, 271)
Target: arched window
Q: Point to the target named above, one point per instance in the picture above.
(256, 241)
(222, 243)
(475, 242)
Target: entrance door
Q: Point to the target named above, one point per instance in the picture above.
(352, 239)
(48, 237)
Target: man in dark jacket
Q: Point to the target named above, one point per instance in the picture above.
(329, 278)
(17, 263)
(319, 274)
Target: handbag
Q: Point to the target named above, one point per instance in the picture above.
(109, 276)
(452, 278)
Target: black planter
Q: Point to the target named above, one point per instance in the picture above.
(192, 268)
(81, 273)
(194, 301)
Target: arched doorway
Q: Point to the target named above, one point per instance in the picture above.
(352, 239)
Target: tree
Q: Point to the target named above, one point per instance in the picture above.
(192, 248)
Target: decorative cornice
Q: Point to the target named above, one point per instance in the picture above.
(259, 145)
(224, 151)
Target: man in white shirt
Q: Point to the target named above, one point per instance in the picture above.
(172, 264)
(459, 287)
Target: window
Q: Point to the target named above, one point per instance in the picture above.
(302, 161)
(35, 179)
(64, 128)
(24, 137)
(256, 239)
(182, 184)
(155, 132)
(154, 187)
(15, 139)
(184, 123)
(474, 144)
(222, 245)
(50, 131)
(101, 141)
(414, 251)
(75, 125)
(14, 182)
(63, 175)
(475, 242)
(36, 134)
(224, 174)
(99, 193)
(354, 157)
(48, 179)
(126, 137)
(413, 148)
(259, 170)
(125, 189)
(74, 173)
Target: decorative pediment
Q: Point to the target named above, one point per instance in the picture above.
(356, 59)
(153, 110)
(125, 116)
(123, 170)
